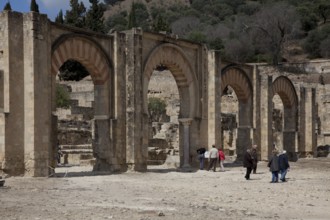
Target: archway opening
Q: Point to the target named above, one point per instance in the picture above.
(277, 122)
(163, 111)
(75, 117)
(229, 122)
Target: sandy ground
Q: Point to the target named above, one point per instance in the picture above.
(164, 193)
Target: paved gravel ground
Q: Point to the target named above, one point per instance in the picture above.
(163, 193)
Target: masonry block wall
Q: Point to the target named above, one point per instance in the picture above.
(32, 49)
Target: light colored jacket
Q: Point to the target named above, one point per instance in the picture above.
(213, 153)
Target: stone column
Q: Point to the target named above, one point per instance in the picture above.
(37, 95)
(307, 121)
(12, 95)
(186, 122)
(136, 151)
(265, 114)
(214, 99)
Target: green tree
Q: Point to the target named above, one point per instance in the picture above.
(59, 18)
(272, 27)
(7, 7)
(62, 97)
(197, 36)
(323, 10)
(156, 108)
(34, 6)
(139, 17)
(94, 17)
(131, 18)
(117, 22)
(315, 39)
(76, 15)
(161, 24)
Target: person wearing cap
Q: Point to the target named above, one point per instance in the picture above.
(284, 165)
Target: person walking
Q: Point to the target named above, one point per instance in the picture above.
(213, 156)
(247, 163)
(201, 157)
(254, 156)
(284, 165)
(221, 159)
(273, 165)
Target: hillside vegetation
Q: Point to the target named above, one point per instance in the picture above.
(244, 31)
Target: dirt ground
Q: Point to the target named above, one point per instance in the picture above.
(163, 193)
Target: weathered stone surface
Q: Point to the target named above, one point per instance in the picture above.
(121, 65)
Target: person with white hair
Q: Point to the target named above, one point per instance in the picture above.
(284, 165)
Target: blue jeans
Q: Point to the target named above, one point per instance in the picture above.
(283, 174)
(274, 176)
(201, 162)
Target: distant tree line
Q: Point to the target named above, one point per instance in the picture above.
(243, 31)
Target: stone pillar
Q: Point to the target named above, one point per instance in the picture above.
(136, 152)
(37, 95)
(186, 122)
(102, 147)
(307, 121)
(243, 141)
(289, 143)
(12, 94)
(214, 99)
(265, 113)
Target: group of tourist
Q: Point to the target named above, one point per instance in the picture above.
(278, 163)
(214, 155)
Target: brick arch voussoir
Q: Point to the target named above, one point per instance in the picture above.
(175, 59)
(285, 89)
(238, 81)
(84, 51)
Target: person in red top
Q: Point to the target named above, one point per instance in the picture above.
(221, 159)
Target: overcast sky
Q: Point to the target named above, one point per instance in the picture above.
(49, 7)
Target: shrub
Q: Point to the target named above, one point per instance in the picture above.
(62, 97)
(156, 108)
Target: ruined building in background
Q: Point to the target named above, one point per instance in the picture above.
(32, 49)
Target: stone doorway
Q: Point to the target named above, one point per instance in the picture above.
(278, 122)
(163, 109)
(92, 143)
(75, 115)
(284, 90)
(229, 121)
(236, 80)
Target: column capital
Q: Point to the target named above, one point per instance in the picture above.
(185, 121)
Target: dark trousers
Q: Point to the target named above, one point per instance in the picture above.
(254, 167)
(248, 172)
(201, 161)
(213, 162)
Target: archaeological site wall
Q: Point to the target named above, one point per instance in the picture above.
(121, 66)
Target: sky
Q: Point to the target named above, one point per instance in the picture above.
(49, 7)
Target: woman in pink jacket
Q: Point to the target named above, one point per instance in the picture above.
(221, 159)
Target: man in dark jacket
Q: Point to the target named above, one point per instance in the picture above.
(284, 164)
(254, 156)
(274, 167)
(248, 163)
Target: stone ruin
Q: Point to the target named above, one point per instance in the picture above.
(75, 125)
